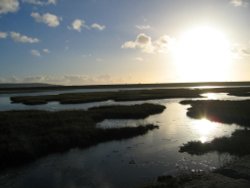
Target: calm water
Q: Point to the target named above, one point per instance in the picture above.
(126, 163)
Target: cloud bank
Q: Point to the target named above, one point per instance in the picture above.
(71, 79)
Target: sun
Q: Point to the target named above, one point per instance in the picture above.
(203, 54)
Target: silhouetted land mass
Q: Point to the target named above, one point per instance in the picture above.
(27, 135)
(12, 86)
(237, 144)
(220, 111)
(19, 88)
(128, 95)
(225, 112)
(125, 95)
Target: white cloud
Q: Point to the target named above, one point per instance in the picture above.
(145, 44)
(164, 43)
(7, 6)
(143, 27)
(17, 37)
(41, 2)
(50, 19)
(98, 26)
(45, 50)
(78, 24)
(142, 41)
(3, 35)
(239, 3)
(38, 53)
(129, 44)
(35, 53)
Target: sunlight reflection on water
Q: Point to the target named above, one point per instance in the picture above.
(153, 154)
(210, 95)
(204, 128)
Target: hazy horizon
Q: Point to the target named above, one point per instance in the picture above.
(124, 42)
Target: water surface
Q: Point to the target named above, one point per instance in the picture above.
(125, 163)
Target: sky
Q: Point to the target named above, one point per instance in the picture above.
(82, 42)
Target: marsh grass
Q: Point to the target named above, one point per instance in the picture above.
(125, 95)
(237, 144)
(129, 95)
(220, 111)
(27, 135)
(225, 112)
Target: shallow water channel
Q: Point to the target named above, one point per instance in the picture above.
(127, 163)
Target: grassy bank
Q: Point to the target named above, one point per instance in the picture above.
(220, 111)
(237, 144)
(129, 95)
(225, 112)
(27, 135)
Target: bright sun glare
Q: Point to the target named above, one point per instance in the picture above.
(203, 54)
(204, 128)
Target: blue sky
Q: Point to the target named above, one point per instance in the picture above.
(115, 41)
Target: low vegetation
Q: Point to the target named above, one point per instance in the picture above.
(237, 144)
(225, 112)
(128, 95)
(24, 88)
(27, 135)
(220, 111)
(122, 95)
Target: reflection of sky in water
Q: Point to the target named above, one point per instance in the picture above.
(128, 162)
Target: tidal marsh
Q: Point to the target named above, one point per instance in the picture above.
(27, 135)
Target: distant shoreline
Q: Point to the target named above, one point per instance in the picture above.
(23, 88)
